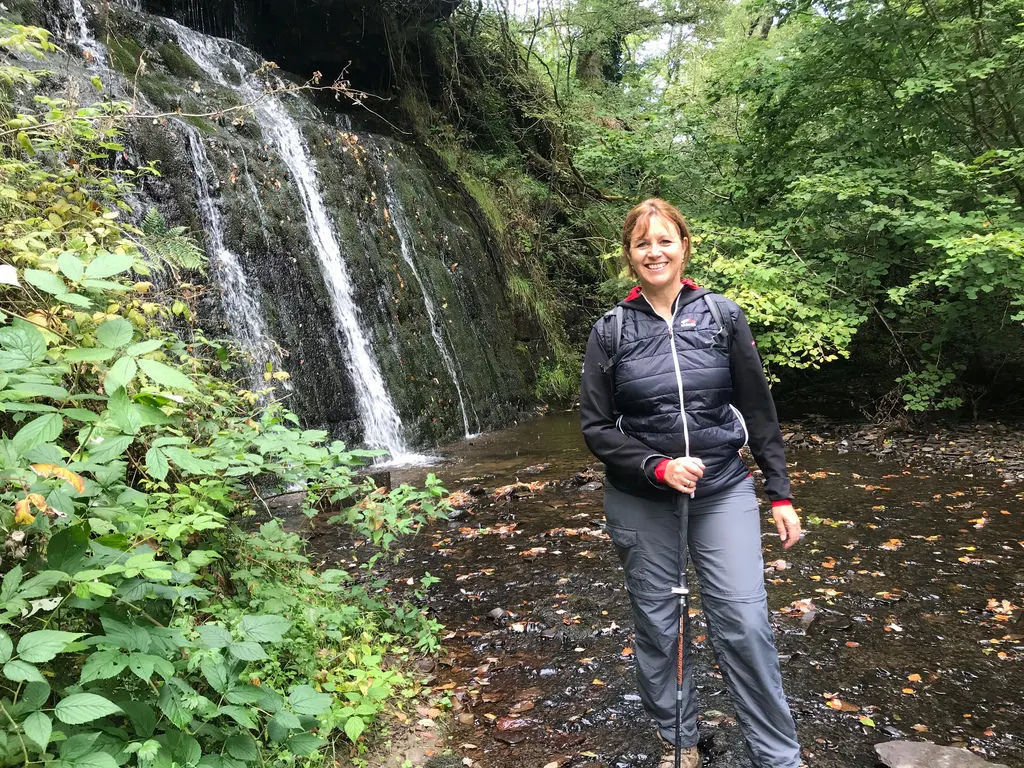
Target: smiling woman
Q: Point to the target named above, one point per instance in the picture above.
(672, 391)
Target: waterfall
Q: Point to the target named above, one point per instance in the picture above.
(92, 49)
(407, 247)
(382, 426)
(241, 303)
(381, 423)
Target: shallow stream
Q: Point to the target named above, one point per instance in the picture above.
(897, 617)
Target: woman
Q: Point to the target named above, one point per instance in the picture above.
(669, 396)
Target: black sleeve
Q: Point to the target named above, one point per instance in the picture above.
(753, 397)
(597, 417)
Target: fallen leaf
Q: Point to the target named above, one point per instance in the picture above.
(914, 678)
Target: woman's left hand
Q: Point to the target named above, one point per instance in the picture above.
(788, 523)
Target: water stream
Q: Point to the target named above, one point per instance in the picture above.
(382, 425)
(93, 50)
(400, 222)
(242, 306)
(898, 616)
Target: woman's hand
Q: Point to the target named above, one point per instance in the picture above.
(788, 523)
(683, 473)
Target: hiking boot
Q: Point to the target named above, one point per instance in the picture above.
(689, 758)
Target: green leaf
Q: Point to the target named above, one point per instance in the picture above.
(242, 746)
(23, 347)
(104, 285)
(306, 700)
(213, 636)
(142, 716)
(95, 760)
(21, 671)
(239, 714)
(107, 264)
(121, 374)
(246, 650)
(165, 376)
(216, 673)
(188, 462)
(45, 281)
(108, 448)
(156, 463)
(6, 647)
(144, 347)
(40, 430)
(264, 629)
(102, 665)
(305, 743)
(354, 727)
(38, 729)
(79, 745)
(123, 412)
(43, 645)
(67, 547)
(173, 706)
(71, 266)
(34, 695)
(115, 333)
(81, 708)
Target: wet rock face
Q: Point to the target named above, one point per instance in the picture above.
(326, 35)
(424, 270)
(925, 754)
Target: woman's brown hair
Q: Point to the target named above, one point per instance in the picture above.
(641, 216)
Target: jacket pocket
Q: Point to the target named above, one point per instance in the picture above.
(743, 425)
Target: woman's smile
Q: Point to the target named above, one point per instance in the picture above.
(658, 255)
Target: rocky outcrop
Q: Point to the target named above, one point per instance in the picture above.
(363, 37)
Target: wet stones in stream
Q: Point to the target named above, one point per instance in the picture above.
(896, 618)
(916, 754)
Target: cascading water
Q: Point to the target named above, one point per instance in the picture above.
(407, 247)
(381, 422)
(92, 49)
(242, 307)
(382, 426)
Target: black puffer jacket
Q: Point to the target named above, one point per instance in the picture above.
(632, 415)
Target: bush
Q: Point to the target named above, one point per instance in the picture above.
(139, 624)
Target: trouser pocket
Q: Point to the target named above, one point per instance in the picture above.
(631, 554)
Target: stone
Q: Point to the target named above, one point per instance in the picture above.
(926, 754)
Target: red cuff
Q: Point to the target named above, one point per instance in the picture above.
(659, 471)
(782, 502)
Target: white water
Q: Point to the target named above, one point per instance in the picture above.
(408, 249)
(242, 307)
(92, 49)
(382, 426)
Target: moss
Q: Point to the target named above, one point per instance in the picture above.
(178, 62)
(124, 54)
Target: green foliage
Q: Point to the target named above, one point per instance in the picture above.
(853, 170)
(140, 623)
(169, 248)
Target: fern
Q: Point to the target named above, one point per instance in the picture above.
(169, 248)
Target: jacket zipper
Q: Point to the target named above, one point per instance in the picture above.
(679, 376)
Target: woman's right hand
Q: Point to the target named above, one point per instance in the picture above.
(683, 473)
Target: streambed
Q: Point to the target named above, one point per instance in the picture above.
(897, 616)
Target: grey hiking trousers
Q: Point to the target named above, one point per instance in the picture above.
(724, 540)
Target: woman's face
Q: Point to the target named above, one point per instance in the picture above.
(657, 254)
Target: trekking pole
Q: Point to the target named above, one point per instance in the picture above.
(684, 599)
